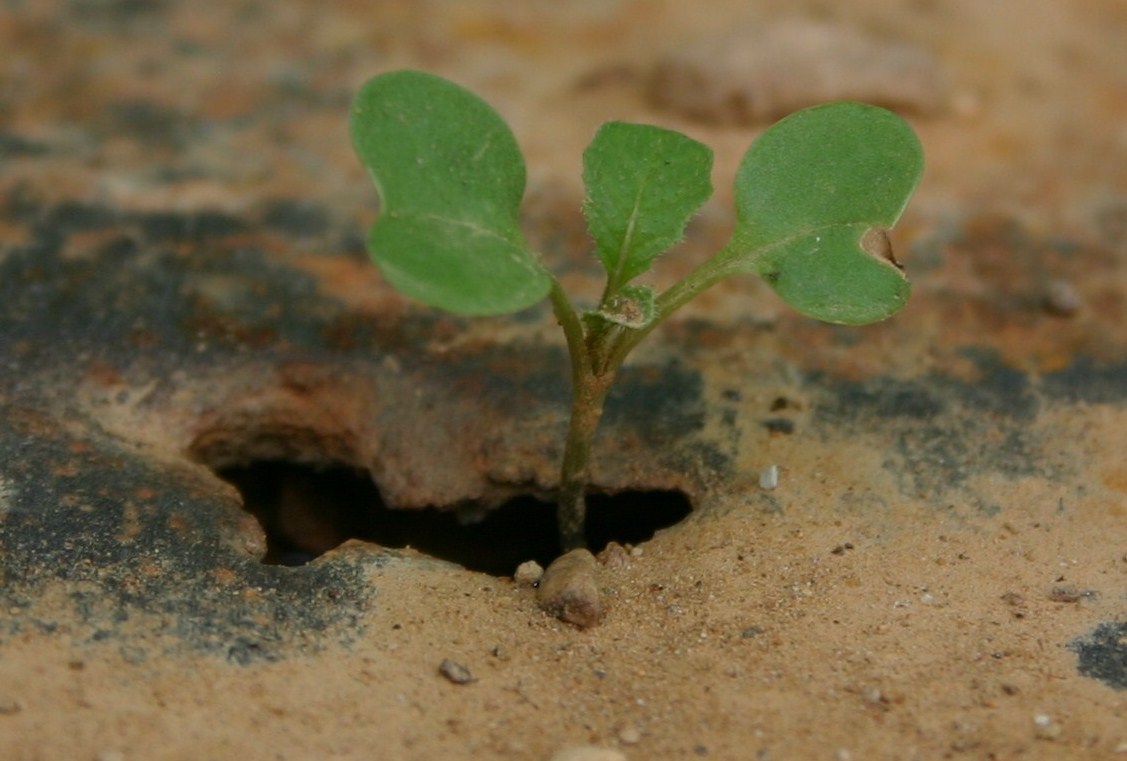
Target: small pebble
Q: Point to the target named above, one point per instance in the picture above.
(589, 753)
(1061, 299)
(568, 589)
(455, 672)
(629, 735)
(1069, 593)
(528, 573)
(769, 477)
(614, 555)
(1046, 727)
(9, 706)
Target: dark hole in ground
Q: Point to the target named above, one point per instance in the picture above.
(306, 511)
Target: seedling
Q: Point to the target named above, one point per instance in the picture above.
(815, 195)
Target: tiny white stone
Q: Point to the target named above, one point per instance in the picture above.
(1047, 728)
(769, 477)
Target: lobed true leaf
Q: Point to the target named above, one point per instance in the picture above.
(643, 184)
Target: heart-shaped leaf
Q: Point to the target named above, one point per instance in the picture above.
(450, 178)
(643, 184)
(814, 196)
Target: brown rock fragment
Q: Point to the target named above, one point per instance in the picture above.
(568, 589)
(528, 573)
(614, 555)
(1070, 593)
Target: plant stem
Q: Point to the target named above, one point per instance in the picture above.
(573, 332)
(596, 354)
(591, 379)
(586, 411)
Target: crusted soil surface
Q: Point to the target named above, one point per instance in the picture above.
(200, 369)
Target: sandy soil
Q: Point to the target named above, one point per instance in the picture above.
(915, 586)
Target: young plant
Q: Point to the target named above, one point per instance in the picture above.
(814, 196)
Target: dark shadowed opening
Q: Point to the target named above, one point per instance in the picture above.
(306, 511)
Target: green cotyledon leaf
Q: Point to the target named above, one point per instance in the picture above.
(643, 184)
(450, 177)
(815, 195)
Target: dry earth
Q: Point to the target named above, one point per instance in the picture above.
(940, 573)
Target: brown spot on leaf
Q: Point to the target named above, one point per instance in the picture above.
(875, 242)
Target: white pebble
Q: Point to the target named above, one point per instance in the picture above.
(769, 477)
(1047, 728)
